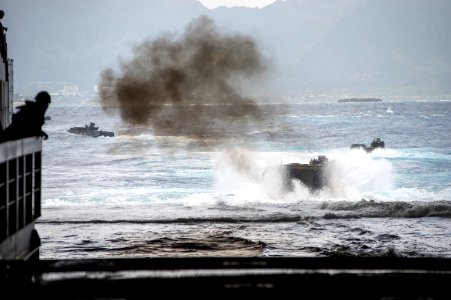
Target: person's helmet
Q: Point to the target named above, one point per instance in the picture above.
(43, 97)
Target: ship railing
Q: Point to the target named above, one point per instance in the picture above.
(20, 186)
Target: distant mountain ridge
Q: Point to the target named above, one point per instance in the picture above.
(359, 47)
(360, 100)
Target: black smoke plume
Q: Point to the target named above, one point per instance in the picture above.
(184, 86)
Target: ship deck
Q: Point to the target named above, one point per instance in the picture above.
(312, 278)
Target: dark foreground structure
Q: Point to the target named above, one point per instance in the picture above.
(20, 165)
(305, 278)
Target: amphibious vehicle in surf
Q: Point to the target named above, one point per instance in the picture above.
(376, 143)
(91, 130)
(314, 175)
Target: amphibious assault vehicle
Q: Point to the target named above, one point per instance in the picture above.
(314, 175)
(90, 130)
(376, 143)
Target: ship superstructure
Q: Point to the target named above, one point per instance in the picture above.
(20, 176)
(6, 79)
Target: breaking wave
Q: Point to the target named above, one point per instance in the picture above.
(241, 219)
(374, 209)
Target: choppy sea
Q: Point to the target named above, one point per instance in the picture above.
(142, 195)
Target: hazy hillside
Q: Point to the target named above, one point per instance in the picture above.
(385, 46)
(53, 40)
(331, 46)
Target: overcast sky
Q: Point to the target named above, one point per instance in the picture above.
(247, 3)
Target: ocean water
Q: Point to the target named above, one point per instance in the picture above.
(143, 195)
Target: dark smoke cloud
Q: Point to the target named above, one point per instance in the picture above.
(184, 86)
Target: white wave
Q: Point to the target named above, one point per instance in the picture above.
(410, 153)
(354, 174)
(415, 194)
(356, 171)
